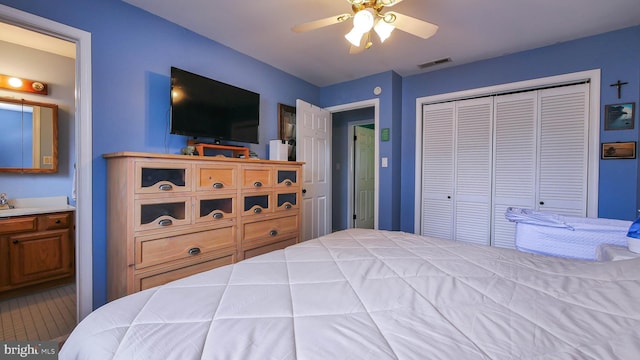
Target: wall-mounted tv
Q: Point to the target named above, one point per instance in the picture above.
(206, 108)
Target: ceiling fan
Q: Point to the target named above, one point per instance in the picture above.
(369, 14)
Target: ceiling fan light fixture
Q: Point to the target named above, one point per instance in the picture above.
(354, 37)
(363, 20)
(383, 29)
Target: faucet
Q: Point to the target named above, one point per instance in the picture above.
(4, 201)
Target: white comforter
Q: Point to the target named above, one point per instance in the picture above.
(364, 294)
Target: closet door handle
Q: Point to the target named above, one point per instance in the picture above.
(448, 196)
(541, 202)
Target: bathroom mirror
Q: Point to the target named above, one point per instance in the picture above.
(28, 136)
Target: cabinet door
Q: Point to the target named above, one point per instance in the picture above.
(437, 170)
(40, 257)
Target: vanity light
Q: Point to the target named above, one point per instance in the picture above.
(20, 84)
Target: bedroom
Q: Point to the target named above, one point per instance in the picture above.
(141, 62)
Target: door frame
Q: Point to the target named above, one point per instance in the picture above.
(592, 76)
(375, 104)
(83, 140)
(351, 164)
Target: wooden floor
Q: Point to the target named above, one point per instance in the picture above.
(45, 315)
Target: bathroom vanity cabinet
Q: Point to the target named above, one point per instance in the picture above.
(37, 252)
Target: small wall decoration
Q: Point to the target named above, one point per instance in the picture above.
(287, 128)
(619, 150)
(619, 116)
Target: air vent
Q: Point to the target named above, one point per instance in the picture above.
(434, 63)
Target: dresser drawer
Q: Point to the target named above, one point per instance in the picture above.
(287, 177)
(162, 177)
(263, 249)
(149, 280)
(269, 230)
(153, 251)
(215, 209)
(56, 221)
(287, 201)
(21, 224)
(256, 203)
(216, 178)
(257, 177)
(164, 213)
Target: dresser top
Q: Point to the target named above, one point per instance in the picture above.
(132, 154)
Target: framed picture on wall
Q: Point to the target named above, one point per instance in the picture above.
(287, 128)
(619, 150)
(619, 116)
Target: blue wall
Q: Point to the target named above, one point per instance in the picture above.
(132, 52)
(617, 54)
(389, 112)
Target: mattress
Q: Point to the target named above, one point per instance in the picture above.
(368, 294)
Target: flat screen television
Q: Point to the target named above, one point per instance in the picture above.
(206, 108)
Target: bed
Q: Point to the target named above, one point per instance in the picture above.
(370, 294)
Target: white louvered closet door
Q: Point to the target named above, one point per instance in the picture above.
(563, 150)
(437, 170)
(515, 163)
(472, 205)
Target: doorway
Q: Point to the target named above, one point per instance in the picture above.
(361, 173)
(83, 144)
(342, 159)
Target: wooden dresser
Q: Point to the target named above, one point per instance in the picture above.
(170, 216)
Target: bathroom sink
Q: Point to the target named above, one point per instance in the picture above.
(30, 206)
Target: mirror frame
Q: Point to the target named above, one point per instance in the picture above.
(54, 165)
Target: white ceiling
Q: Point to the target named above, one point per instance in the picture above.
(470, 30)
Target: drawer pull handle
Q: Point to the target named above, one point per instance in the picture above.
(58, 221)
(165, 187)
(165, 222)
(16, 241)
(288, 206)
(217, 215)
(257, 210)
(273, 232)
(194, 251)
(257, 184)
(218, 185)
(288, 183)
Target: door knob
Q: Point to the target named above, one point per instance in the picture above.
(304, 191)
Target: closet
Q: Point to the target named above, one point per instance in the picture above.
(480, 156)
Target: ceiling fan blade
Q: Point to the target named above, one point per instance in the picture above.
(413, 26)
(389, 3)
(312, 25)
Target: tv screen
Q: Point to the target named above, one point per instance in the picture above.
(203, 107)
